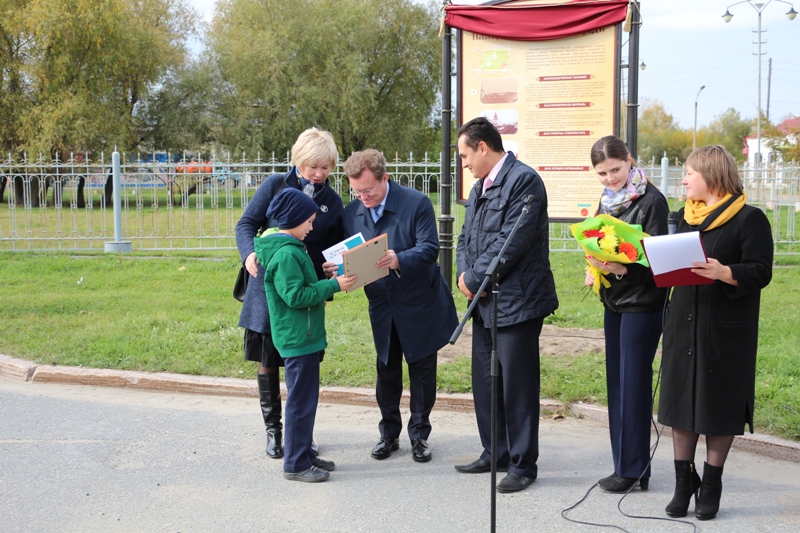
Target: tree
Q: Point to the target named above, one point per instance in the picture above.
(728, 129)
(77, 69)
(784, 138)
(659, 133)
(177, 116)
(13, 49)
(366, 71)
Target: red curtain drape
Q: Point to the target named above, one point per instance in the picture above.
(536, 22)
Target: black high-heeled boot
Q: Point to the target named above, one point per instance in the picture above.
(707, 502)
(686, 484)
(269, 391)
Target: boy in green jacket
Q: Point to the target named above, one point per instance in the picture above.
(296, 299)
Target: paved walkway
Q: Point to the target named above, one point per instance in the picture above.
(96, 458)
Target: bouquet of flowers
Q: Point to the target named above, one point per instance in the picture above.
(608, 239)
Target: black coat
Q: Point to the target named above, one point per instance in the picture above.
(416, 297)
(636, 292)
(527, 287)
(711, 333)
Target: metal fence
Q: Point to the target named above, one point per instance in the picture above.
(183, 203)
(167, 202)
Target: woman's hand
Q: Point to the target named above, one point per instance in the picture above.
(609, 266)
(251, 265)
(346, 282)
(715, 270)
(589, 279)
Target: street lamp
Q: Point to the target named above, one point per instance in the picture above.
(759, 7)
(694, 135)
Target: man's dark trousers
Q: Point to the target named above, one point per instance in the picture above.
(389, 389)
(518, 392)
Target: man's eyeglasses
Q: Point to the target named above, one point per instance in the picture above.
(366, 192)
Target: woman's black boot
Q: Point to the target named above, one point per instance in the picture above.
(686, 484)
(269, 391)
(707, 502)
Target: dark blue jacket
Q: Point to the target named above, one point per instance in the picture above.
(527, 287)
(328, 230)
(418, 301)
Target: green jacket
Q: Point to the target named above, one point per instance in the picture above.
(295, 296)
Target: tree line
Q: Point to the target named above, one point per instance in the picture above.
(90, 75)
(660, 133)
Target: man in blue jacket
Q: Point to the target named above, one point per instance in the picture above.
(527, 295)
(411, 310)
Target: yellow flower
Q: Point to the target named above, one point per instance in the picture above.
(610, 241)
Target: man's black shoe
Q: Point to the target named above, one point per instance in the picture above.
(420, 451)
(384, 448)
(514, 483)
(479, 466)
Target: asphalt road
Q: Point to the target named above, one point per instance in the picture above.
(79, 458)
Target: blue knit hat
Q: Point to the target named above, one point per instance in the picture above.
(290, 208)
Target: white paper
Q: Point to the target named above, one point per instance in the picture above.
(334, 253)
(667, 253)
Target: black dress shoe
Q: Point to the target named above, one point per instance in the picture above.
(479, 466)
(384, 448)
(514, 483)
(322, 464)
(618, 484)
(420, 451)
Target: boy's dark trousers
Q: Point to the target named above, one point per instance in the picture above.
(300, 411)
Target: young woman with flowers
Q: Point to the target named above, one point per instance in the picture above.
(633, 311)
(711, 331)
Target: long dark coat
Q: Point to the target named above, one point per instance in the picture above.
(711, 333)
(418, 301)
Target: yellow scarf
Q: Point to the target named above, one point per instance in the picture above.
(694, 213)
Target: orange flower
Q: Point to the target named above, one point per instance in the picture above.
(629, 250)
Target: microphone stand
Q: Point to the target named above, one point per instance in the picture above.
(491, 274)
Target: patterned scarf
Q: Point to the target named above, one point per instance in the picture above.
(615, 203)
(694, 213)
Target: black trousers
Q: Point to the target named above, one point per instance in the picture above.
(389, 389)
(631, 344)
(517, 393)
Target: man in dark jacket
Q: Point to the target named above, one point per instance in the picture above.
(411, 310)
(527, 295)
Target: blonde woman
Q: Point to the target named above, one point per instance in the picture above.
(314, 155)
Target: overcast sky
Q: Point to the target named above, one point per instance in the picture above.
(686, 44)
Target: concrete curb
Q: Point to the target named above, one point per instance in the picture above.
(766, 445)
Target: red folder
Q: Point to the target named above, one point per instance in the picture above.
(671, 257)
(679, 278)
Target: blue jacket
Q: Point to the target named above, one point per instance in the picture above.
(527, 287)
(417, 300)
(328, 230)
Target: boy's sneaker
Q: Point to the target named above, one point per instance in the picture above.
(312, 475)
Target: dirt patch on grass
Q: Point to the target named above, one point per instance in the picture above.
(554, 341)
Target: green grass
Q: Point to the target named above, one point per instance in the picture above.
(174, 313)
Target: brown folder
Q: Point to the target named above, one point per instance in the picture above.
(361, 260)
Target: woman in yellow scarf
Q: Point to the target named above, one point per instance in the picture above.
(711, 331)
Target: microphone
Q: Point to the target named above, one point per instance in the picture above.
(672, 222)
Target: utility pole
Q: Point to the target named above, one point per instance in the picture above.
(769, 83)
